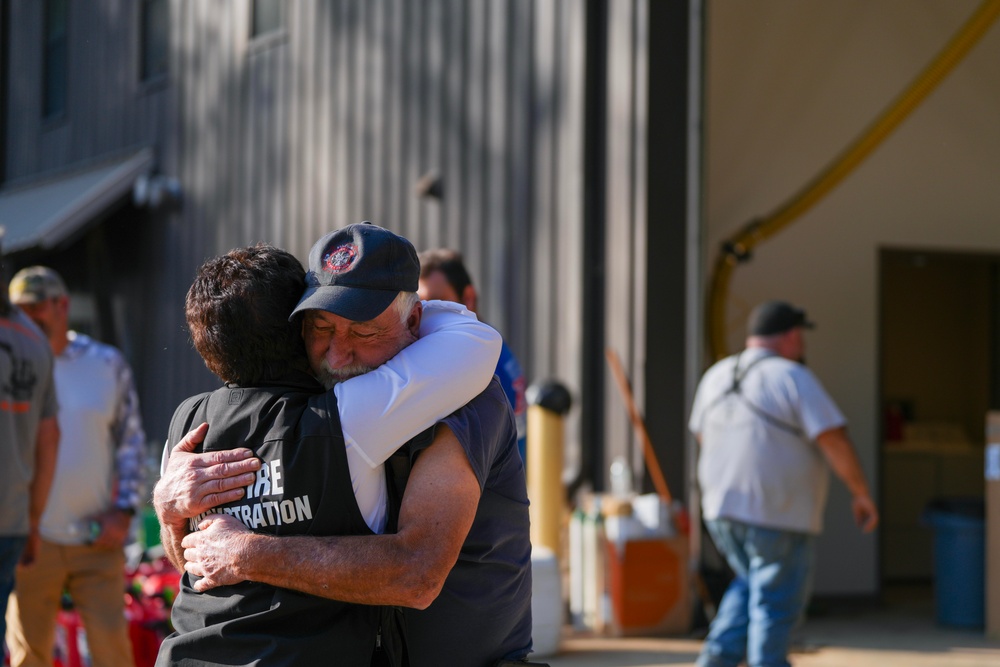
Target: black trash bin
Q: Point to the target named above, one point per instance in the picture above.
(959, 560)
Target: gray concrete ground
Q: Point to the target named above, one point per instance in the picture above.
(898, 632)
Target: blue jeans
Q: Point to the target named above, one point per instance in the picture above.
(766, 598)
(11, 548)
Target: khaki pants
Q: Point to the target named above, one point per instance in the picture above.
(95, 580)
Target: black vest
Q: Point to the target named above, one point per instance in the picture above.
(303, 488)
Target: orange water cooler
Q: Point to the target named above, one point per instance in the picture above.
(648, 586)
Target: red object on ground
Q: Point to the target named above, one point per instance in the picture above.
(148, 624)
(151, 592)
(71, 649)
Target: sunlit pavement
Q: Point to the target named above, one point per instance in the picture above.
(900, 634)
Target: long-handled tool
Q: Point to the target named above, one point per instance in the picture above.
(708, 605)
(640, 427)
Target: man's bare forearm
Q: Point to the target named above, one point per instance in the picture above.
(170, 538)
(840, 454)
(843, 459)
(173, 528)
(407, 568)
(364, 570)
(46, 452)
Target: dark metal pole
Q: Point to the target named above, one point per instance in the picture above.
(595, 185)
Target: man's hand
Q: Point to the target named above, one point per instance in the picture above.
(865, 512)
(212, 552)
(194, 483)
(407, 568)
(31, 547)
(839, 451)
(114, 528)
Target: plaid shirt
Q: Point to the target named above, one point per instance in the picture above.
(126, 428)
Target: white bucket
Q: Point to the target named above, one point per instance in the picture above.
(546, 602)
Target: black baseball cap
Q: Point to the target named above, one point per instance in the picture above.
(775, 317)
(356, 272)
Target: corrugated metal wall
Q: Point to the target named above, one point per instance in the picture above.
(626, 184)
(108, 109)
(534, 115)
(651, 71)
(286, 136)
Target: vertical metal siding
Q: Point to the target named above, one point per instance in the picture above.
(333, 120)
(620, 290)
(283, 138)
(25, 102)
(106, 110)
(545, 105)
(287, 136)
(640, 239)
(646, 212)
(645, 287)
(336, 121)
(559, 353)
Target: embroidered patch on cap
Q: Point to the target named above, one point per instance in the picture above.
(340, 259)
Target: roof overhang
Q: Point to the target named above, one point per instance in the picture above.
(43, 214)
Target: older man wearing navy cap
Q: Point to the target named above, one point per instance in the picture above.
(462, 544)
(355, 275)
(769, 433)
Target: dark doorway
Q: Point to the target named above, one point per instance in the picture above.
(938, 378)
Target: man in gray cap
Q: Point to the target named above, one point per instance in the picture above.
(97, 490)
(462, 543)
(769, 433)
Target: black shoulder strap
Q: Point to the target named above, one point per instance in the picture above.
(738, 376)
(734, 388)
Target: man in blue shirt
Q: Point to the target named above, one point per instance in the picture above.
(443, 276)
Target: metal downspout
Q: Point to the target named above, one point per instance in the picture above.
(737, 248)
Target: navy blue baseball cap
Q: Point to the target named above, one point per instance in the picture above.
(356, 272)
(775, 317)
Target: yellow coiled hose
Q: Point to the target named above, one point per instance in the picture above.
(737, 247)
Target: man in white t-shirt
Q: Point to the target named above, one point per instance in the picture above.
(768, 433)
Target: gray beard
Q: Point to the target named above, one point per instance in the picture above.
(329, 377)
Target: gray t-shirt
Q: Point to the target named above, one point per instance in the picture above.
(759, 463)
(27, 395)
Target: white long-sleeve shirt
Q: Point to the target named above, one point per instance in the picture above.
(451, 362)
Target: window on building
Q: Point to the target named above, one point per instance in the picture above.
(155, 39)
(268, 16)
(55, 60)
